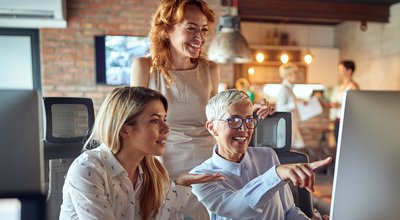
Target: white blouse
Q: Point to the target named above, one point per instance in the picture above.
(98, 187)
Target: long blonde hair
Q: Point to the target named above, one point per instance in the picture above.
(122, 106)
(169, 13)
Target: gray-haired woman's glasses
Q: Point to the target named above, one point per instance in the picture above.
(237, 122)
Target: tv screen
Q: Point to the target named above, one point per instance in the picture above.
(114, 56)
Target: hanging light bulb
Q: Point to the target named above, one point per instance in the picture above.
(260, 57)
(308, 57)
(251, 71)
(284, 58)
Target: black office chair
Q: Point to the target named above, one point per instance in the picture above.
(67, 122)
(276, 132)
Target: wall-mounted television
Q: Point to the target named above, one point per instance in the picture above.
(114, 56)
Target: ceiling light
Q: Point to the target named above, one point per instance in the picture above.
(251, 71)
(284, 58)
(308, 57)
(229, 46)
(260, 57)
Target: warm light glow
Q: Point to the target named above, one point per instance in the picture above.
(308, 58)
(251, 71)
(284, 58)
(260, 57)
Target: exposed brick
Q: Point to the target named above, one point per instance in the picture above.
(68, 55)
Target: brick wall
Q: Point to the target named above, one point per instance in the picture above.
(68, 55)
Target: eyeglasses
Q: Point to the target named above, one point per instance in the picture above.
(237, 122)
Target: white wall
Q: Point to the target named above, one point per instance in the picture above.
(15, 62)
(304, 35)
(320, 39)
(376, 51)
(323, 69)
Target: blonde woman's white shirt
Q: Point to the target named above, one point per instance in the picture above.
(98, 187)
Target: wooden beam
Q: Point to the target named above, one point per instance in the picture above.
(311, 11)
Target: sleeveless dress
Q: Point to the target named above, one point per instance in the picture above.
(189, 143)
(338, 96)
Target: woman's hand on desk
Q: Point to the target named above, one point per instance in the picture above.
(301, 174)
(189, 179)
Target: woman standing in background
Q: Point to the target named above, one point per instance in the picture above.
(346, 70)
(286, 100)
(178, 69)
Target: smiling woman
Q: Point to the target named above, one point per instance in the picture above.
(178, 69)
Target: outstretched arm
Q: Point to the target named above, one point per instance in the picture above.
(301, 174)
(226, 198)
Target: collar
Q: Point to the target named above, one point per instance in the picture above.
(287, 83)
(229, 166)
(113, 165)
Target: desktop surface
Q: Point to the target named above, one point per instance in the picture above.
(366, 181)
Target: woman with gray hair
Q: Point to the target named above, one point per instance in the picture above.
(286, 100)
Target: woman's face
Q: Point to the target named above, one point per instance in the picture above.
(149, 134)
(188, 36)
(343, 72)
(233, 143)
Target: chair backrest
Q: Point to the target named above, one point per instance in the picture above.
(68, 121)
(276, 132)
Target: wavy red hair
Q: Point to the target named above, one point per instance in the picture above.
(169, 13)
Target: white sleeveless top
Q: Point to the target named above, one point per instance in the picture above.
(338, 97)
(189, 143)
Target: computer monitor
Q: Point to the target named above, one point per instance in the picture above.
(367, 178)
(21, 157)
(27, 206)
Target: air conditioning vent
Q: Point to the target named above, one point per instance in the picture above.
(14, 13)
(33, 14)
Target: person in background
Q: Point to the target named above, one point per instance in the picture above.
(179, 70)
(346, 70)
(122, 178)
(255, 184)
(286, 101)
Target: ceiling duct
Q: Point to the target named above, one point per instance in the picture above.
(33, 14)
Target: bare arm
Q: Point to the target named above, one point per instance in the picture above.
(140, 71)
(215, 77)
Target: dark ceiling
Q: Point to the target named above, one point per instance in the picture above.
(323, 12)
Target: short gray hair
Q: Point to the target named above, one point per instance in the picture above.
(217, 105)
(287, 69)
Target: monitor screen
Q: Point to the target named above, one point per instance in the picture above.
(10, 208)
(366, 180)
(114, 56)
(21, 157)
(23, 206)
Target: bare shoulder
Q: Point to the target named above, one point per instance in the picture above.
(213, 66)
(354, 86)
(215, 76)
(140, 71)
(141, 62)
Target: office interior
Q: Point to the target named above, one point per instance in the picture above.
(56, 55)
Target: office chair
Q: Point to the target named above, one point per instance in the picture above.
(67, 122)
(276, 132)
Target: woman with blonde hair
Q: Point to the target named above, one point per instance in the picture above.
(286, 100)
(179, 70)
(122, 178)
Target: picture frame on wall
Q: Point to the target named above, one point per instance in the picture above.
(114, 55)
